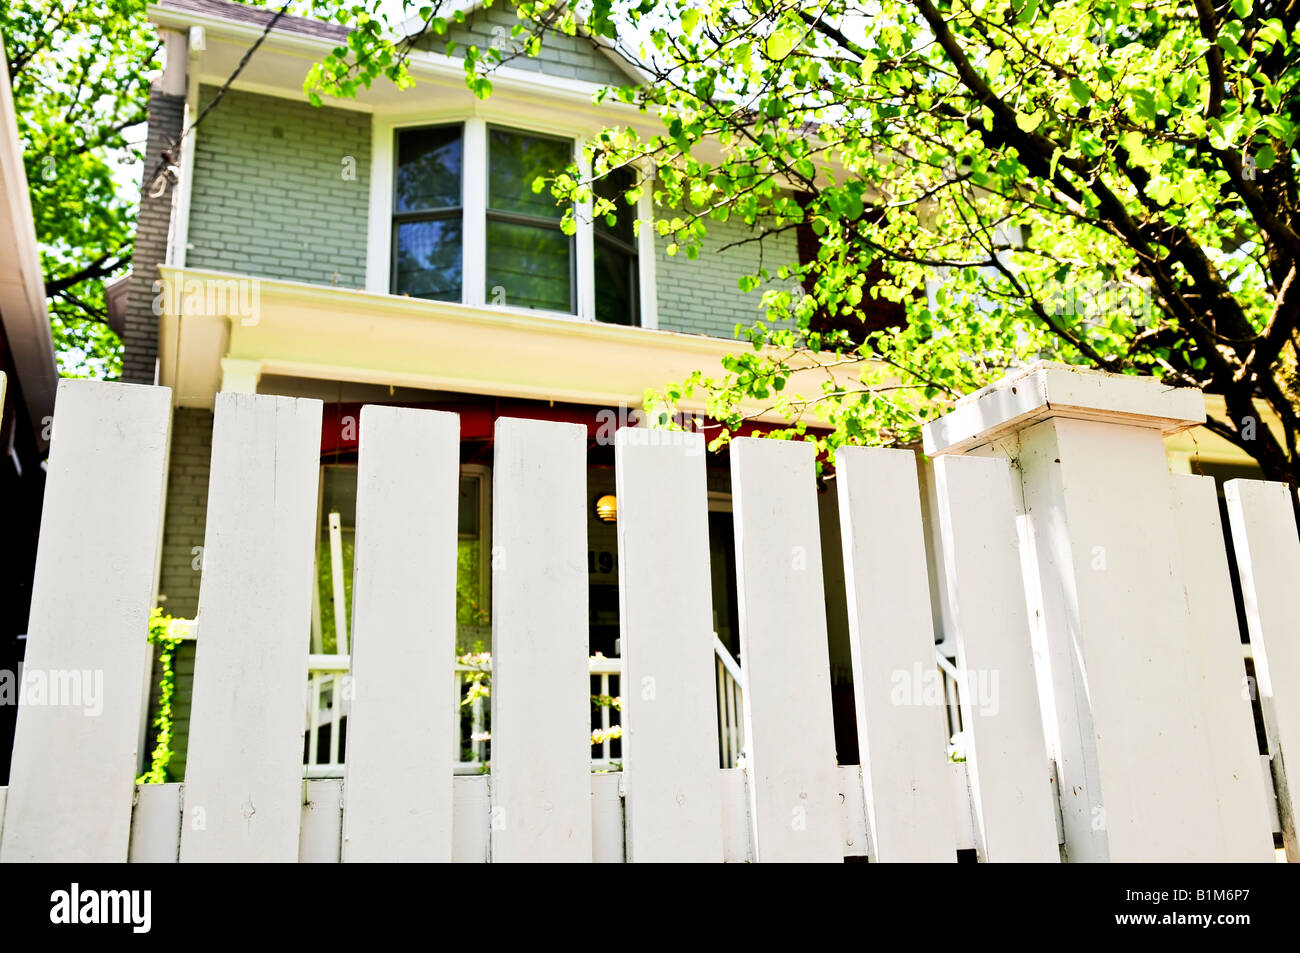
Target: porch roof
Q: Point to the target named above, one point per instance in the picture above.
(222, 331)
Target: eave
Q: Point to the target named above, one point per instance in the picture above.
(22, 283)
(341, 334)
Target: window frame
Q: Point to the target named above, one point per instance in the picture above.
(529, 221)
(444, 213)
(603, 236)
(474, 185)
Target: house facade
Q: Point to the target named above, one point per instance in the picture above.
(390, 249)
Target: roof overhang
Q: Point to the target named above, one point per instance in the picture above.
(213, 320)
(284, 59)
(22, 284)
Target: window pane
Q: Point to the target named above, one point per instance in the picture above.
(528, 267)
(614, 187)
(428, 169)
(514, 160)
(615, 285)
(428, 259)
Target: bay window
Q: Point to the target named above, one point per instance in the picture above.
(466, 226)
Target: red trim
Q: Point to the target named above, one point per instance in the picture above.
(341, 423)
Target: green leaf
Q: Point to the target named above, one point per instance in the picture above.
(1028, 122)
(1080, 91)
(780, 43)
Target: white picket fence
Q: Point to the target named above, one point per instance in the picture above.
(1086, 584)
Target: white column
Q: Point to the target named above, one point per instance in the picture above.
(1100, 546)
(240, 376)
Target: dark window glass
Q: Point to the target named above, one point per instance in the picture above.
(529, 259)
(427, 213)
(428, 259)
(617, 295)
(428, 169)
(515, 160)
(528, 267)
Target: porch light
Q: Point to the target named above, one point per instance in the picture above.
(607, 508)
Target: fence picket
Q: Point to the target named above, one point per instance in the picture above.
(1010, 773)
(541, 751)
(789, 730)
(901, 724)
(670, 751)
(1268, 560)
(243, 784)
(1244, 828)
(71, 775)
(398, 775)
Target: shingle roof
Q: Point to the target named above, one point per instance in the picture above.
(259, 16)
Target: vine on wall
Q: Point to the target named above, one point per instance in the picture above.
(160, 634)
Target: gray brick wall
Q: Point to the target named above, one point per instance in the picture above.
(272, 192)
(140, 335)
(702, 296)
(186, 511)
(178, 584)
(572, 57)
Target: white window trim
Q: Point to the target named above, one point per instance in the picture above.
(474, 185)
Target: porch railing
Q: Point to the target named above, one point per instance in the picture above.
(329, 703)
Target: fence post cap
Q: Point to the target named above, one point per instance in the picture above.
(1049, 389)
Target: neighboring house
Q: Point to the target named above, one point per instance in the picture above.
(390, 249)
(28, 375)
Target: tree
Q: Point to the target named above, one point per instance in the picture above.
(80, 76)
(1104, 183)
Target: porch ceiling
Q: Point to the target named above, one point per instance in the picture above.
(342, 334)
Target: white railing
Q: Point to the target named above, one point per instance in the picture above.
(329, 702)
(731, 722)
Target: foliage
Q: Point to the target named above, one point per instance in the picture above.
(160, 634)
(1099, 182)
(80, 74)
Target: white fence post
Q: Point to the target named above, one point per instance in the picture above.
(1014, 802)
(902, 741)
(789, 727)
(670, 748)
(1102, 556)
(397, 780)
(541, 708)
(75, 748)
(244, 772)
(1268, 560)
